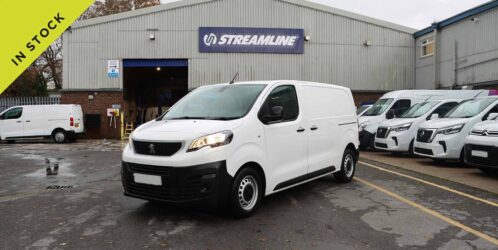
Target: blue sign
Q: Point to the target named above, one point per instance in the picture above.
(251, 40)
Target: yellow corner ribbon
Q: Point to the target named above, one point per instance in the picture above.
(28, 28)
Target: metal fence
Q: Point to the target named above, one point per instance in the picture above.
(7, 102)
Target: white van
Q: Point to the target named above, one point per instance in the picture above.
(60, 122)
(481, 146)
(444, 139)
(394, 103)
(236, 143)
(398, 134)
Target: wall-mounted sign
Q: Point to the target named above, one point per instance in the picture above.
(113, 68)
(251, 40)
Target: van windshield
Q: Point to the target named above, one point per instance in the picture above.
(379, 107)
(470, 108)
(217, 102)
(418, 109)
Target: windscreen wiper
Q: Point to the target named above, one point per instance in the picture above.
(187, 118)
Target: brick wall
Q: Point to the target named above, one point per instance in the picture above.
(98, 105)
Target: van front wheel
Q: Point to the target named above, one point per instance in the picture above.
(246, 194)
(348, 167)
(59, 136)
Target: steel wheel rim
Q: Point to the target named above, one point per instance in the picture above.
(59, 137)
(248, 193)
(348, 165)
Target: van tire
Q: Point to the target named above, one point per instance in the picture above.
(10, 141)
(348, 167)
(246, 193)
(59, 136)
(411, 149)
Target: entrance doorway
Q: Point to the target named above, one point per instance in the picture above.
(150, 87)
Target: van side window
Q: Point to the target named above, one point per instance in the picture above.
(14, 113)
(443, 109)
(284, 96)
(401, 106)
(493, 110)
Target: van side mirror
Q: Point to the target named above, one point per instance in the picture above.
(434, 116)
(390, 114)
(492, 116)
(276, 114)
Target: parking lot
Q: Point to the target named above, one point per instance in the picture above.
(393, 202)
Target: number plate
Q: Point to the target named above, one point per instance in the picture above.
(147, 179)
(479, 153)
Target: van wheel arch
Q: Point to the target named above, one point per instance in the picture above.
(55, 131)
(258, 168)
(352, 147)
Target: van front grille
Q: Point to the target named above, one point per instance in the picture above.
(424, 135)
(382, 132)
(156, 148)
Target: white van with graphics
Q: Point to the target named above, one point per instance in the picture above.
(444, 139)
(60, 122)
(233, 144)
(398, 135)
(481, 146)
(393, 104)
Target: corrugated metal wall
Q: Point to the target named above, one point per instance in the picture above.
(474, 44)
(335, 54)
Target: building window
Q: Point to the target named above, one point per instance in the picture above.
(427, 48)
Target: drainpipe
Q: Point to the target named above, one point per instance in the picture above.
(435, 56)
(455, 65)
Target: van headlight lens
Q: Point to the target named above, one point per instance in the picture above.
(212, 140)
(401, 128)
(362, 126)
(451, 130)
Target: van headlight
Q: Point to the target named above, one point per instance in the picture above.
(451, 129)
(402, 127)
(362, 126)
(212, 140)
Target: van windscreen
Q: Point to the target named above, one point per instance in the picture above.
(418, 109)
(217, 102)
(379, 107)
(470, 108)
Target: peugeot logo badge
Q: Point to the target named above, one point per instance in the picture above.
(485, 133)
(152, 150)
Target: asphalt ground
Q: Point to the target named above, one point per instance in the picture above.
(385, 207)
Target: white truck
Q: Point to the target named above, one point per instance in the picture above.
(444, 139)
(398, 134)
(481, 146)
(236, 143)
(60, 122)
(393, 104)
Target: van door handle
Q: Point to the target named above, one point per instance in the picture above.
(28, 121)
(314, 128)
(300, 129)
(19, 121)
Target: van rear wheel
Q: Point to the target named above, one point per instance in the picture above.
(246, 194)
(348, 167)
(59, 136)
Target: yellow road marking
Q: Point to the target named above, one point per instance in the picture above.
(433, 184)
(431, 212)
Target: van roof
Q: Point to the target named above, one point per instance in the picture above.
(271, 82)
(424, 92)
(47, 105)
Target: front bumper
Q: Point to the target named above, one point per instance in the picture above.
(205, 185)
(396, 142)
(366, 138)
(482, 162)
(448, 147)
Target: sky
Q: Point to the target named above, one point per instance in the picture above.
(416, 14)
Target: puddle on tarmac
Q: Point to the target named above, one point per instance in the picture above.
(64, 167)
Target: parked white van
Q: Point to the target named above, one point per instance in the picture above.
(398, 134)
(235, 143)
(60, 122)
(481, 146)
(444, 139)
(393, 104)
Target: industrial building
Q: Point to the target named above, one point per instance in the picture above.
(461, 51)
(141, 62)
